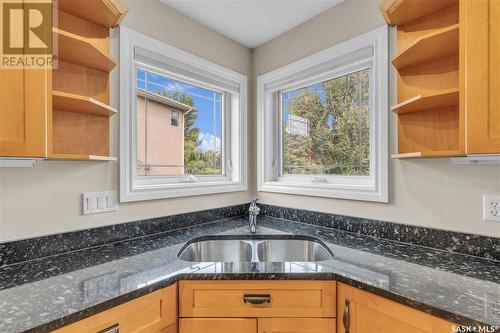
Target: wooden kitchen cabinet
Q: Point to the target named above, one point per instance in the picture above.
(63, 112)
(296, 325)
(257, 325)
(153, 313)
(307, 299)
(217, 325)
(25, 101)
(363, 312)
(257, 306)
(447, 63)
(480, 36)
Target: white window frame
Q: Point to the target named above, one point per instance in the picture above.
(367, 50)
(233, 85)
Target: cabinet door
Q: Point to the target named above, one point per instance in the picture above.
(363, 312)
(480, 59)
(217, 325)
(24, 103)
(296, 325)
(153, 313)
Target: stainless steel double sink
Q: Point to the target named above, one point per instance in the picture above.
(255, 248)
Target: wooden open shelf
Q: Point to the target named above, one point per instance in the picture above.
(433, 46)
(77, 157)
(81, 51)
(432, 101)
(398, 12)
(107, 13)
(429, 154)
(80, 104)
(78, 124)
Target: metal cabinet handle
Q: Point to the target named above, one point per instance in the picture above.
(257, 299)
(345, 317)
(112, 329)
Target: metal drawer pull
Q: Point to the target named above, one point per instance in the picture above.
(257, 299)
(345, 318)
(112, 329)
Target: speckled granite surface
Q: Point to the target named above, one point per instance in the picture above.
(475, 245)
(33, 248)
(43, 294)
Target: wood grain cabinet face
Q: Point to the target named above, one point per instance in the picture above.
(24, 104)
(480, 35)
(296, 325)
(310, 299)
(368, 313)
(448, 62)
(217, 325)
(152, 313)
(62, 112)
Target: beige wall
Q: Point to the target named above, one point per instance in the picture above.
(428, 192)
(47, 199)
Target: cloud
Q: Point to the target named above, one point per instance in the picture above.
(175, 86)
(207, 142)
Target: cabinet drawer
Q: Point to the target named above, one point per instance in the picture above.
(296, 325)
(238, 298)
(217, 325)
(147, 314)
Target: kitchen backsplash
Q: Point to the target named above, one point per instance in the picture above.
(29, 249)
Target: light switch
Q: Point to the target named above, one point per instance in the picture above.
(99, 202)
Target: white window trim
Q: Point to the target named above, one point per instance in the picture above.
(314, 68)
(134, 188)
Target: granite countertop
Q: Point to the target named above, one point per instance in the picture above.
(44, 294)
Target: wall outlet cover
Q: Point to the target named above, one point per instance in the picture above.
(491, 208)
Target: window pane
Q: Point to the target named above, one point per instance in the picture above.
(179, 127)
(174, 118)
(325, 127)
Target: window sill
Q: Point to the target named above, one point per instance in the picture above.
(361, 193)
(175, 190)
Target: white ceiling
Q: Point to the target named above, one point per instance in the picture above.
(251, 22)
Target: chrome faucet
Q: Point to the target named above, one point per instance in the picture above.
(253, 211)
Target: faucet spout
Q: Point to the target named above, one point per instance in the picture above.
(253, 211)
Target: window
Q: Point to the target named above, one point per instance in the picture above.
(322, 122)
(182, 118)
(174, 118)
(193, 146)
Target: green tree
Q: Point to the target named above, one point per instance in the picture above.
(195, 160)
(338, 128)
(347, 98)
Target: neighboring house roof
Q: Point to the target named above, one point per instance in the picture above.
(165, 100)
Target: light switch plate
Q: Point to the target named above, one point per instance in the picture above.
(99, 202)
(491, 208)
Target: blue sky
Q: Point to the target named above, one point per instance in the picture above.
(203, 102)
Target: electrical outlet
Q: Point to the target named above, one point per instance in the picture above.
(491, 208)
(99, 202)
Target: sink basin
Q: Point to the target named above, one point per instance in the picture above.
(255, 248)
